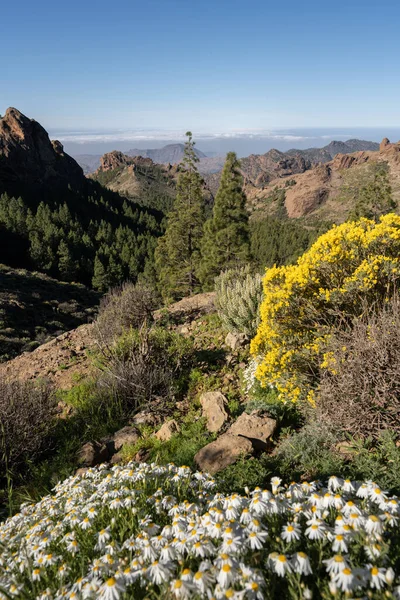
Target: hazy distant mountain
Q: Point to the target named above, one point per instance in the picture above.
(172, 154)
(327, 153)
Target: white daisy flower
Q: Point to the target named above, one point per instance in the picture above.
(301, 563)
(291, 532)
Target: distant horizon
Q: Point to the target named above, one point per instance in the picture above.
(78, 142)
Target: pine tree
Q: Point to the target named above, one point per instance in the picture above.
(178, 250)
(66, 264)
(226, 241)
(100, 280)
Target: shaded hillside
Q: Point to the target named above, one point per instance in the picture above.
(57, 221)
(35, 308)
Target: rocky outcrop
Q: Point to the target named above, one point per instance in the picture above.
(384, 144)
(126, 435)
(259, 170)
(214, 405)
(225, 451)
(28, 157)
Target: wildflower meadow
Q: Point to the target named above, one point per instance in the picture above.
(149, 531)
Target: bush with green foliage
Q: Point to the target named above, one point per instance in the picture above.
(238, 298)
(303, 303)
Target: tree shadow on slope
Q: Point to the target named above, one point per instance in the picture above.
(35, 308)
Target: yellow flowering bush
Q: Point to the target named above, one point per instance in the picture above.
(351, 267)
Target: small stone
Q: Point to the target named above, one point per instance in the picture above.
(234, 341)
(126, 435)
(255, 427)
(225, 451)
(214, 405)
(166, 432)
(92, 454)
(144, 418)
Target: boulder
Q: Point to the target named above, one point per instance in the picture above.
(257, 428)
(126, 435)
(92, 454)
(225, 451)
(214, 405)
(384, 144)
(166, 432)
(234, 341)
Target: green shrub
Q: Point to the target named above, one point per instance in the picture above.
(180, 449)
(310, 452)
(303, 303)
(239, 295)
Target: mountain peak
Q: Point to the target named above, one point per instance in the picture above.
(31, 159)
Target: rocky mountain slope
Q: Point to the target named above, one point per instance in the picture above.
(327, 153)
(259, 170)
(330, 190)
(140, 179)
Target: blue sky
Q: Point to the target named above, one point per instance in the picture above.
(213, 66)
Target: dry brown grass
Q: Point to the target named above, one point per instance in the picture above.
(361, 393)
(27, 416)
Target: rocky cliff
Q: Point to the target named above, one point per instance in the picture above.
(29, 160)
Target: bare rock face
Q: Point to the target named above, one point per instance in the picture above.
(310, 191)
(166, 432)
(234, 341)
(225, 451)
(29, 158)
(92, 454)
(214, 405)
(255, 427)
(259, 170)
(114, 160)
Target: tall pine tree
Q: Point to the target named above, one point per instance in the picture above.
(226, 241)
(178, 251)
